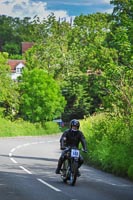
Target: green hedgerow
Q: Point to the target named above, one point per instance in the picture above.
(23, 128)
(130, 172)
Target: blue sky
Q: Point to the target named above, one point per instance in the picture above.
(60, 8)
(77, 7)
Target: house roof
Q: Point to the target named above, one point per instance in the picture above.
(14, 63)
(26, 46)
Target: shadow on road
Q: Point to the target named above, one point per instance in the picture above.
(30, 157)
(17, 186)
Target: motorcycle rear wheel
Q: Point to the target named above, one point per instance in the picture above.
(74, 172)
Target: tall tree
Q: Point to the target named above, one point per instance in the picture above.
(40, 99)
(67, 53)
(119, 73)
(13, 31)
(123, 15)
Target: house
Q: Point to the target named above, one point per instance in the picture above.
(18, 65)
(16, 68)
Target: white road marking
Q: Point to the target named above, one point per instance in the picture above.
(52, 187)
(13, 150)
(26, 170)
(10, 154)
(14, 161)
(19, 146)
(40, 142)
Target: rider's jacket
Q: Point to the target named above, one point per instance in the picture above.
(72, 139)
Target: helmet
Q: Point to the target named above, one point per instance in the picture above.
(74, 122)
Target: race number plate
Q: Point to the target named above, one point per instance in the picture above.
(75, 153)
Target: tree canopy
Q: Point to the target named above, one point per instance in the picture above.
(40, 97)
(90, 61)
(8, 89)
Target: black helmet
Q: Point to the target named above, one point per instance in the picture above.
(74, 122)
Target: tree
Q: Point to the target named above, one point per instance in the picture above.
(87, 45)
(8, 89)
(13, 31)
(67, 53)
(123, 15)
(118, 74)
(40, 98)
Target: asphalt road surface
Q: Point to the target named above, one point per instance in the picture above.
(27, 172)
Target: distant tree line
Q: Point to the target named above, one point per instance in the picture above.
(71, 71)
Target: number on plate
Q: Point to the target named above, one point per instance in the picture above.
(75, 153)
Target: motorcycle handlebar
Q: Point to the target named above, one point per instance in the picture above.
(83, 150)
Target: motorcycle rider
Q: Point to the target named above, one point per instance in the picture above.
(71, 138)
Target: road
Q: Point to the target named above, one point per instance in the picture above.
(27, 172)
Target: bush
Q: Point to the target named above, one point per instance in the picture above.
(22, 128)
(109, 143)
(51, 127)
(120, 159)
(130, 172)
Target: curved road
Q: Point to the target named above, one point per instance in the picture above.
(27, 172)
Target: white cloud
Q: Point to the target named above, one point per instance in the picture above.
(109, 11)
(31, 8)
(27, 8)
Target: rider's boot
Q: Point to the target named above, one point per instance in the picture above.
(79, 165)
(78, 173)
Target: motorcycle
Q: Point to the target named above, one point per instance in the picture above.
(69, 170)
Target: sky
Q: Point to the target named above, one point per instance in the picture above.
(60, 8)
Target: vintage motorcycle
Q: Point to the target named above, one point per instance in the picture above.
(69, 170)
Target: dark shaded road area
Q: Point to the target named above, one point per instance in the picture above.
(27, 172)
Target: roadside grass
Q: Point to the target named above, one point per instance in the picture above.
(22, 128)
(109, 142)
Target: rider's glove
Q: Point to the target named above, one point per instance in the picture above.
(84, 150)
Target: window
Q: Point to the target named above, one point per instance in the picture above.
(18, 70)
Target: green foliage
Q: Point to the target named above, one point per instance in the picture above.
(91, 63)
(13, 31)
(109, 142)
(22, 128)
(8, 89)
(100, 43)
(66, 53)
(51, 127)
(41, 99)
(130, 171)
(123, 15)
(12, 48)
(75, 92)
